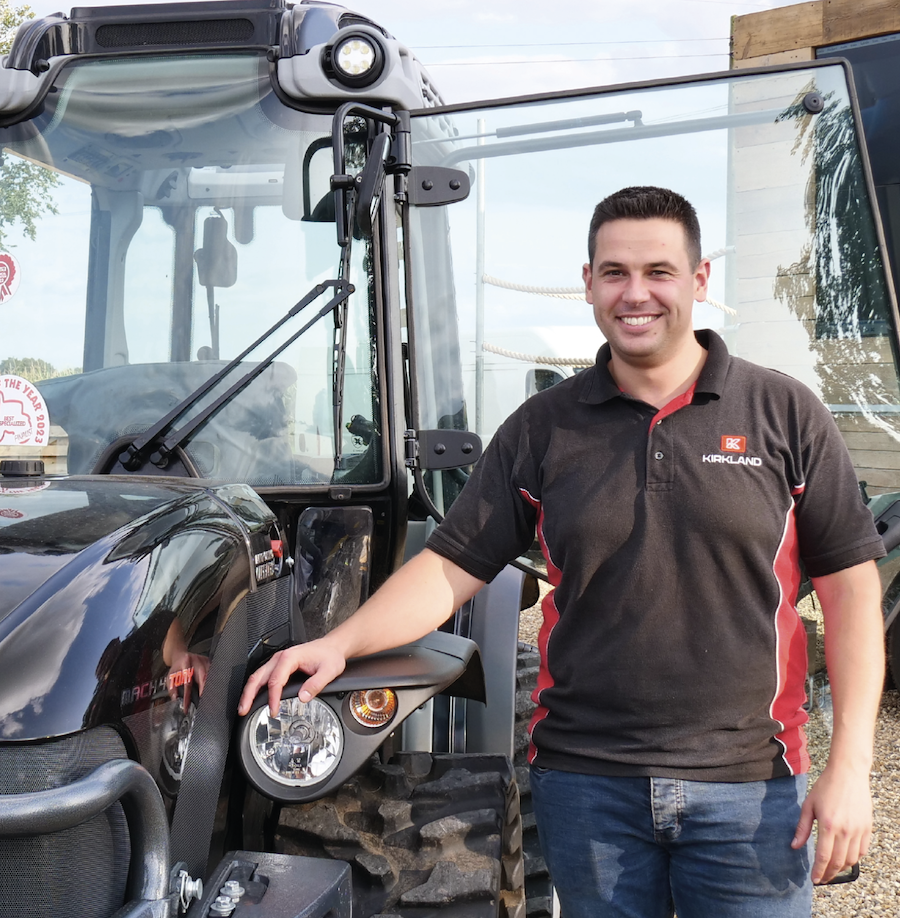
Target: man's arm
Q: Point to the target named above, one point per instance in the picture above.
(413, 602)
(840, 801)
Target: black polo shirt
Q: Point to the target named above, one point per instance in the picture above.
(671, 645)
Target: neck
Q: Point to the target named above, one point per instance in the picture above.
(658, 384)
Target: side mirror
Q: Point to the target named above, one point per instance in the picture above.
(370, 184)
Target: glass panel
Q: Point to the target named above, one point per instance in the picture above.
(797, 278)
(168, 212)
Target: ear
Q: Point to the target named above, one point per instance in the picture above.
(587, 276)
(701, 280)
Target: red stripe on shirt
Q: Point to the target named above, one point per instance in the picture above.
(671, 407)
(551, 617)
(791, 654)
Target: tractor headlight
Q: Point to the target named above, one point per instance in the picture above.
(300, 747)
(356, 59)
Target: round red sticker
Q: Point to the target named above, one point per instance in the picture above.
(24, 419)
(9, 276)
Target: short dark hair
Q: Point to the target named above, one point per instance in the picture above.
(646, 202)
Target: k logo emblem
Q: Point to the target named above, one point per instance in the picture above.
(734, 444)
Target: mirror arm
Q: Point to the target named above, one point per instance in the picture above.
(341, 183)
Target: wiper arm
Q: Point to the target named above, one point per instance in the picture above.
(344, 290)
(133, 457)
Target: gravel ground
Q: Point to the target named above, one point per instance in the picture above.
(876, 894)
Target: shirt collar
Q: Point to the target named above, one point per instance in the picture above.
(600, 387)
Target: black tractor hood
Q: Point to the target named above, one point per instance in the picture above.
(99, 576)
(44, 522)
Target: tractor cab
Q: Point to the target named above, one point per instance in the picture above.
(263, 296)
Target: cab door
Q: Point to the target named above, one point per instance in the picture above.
(772, 162)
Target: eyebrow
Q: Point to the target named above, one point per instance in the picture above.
(653, 264)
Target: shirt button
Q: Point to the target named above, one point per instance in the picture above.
(658, 456)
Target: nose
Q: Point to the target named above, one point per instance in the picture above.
(636, 291)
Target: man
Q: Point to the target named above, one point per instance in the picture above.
(674, 490)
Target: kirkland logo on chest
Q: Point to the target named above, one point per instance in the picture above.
(733, 449)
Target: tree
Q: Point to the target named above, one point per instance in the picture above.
(10, 19)
(25, 189)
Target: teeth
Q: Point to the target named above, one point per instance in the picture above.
(637, 320)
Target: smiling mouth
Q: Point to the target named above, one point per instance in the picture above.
(637, 320)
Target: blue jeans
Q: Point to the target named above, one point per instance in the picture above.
(646, 847)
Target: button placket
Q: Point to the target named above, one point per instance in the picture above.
(660, 455)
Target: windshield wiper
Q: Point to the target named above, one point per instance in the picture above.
(134, 456)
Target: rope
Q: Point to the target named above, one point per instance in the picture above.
(534, 358)
(561, 293)
(577, 293)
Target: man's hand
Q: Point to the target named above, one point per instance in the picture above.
(841, 805)
(415, 600)
(320, 660)
(840, 802)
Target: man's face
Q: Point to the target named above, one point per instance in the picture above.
(642, 286)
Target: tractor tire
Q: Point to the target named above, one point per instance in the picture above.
(893, 653)
(538, 888)
(425, 835)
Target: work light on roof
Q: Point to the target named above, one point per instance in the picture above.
(357, 59)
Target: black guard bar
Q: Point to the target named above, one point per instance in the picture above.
(43, 812)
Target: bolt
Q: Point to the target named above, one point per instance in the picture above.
(455, 184)
(467, 448)
(440, 449)
(222, 907)
(232, 889)
(428, 184)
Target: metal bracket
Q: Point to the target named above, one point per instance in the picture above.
(441, 449)
(430, 186)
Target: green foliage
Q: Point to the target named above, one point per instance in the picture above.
(25, 189)
(11, 17)
(25, 194)
(32, 368)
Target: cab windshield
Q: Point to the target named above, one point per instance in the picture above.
(168, 211)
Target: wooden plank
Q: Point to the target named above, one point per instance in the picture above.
(869, 440)
(878, 481)
(769, 91)
(779, 241)
(771, 166)
(770, 31)
(858, 423)
(794, 32)
(876, 459)
(760, 290)
(752, 135)
(876, 381)
(771, 203)
(778, 57)
(848, 20)
(846, 352)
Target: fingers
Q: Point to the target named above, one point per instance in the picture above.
(837, 852)
(804, 826)
(201, 668)
(316, 682)
(829, 859)
(253, 685)
(321, 665)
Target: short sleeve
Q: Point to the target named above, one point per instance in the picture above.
(835, 529)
